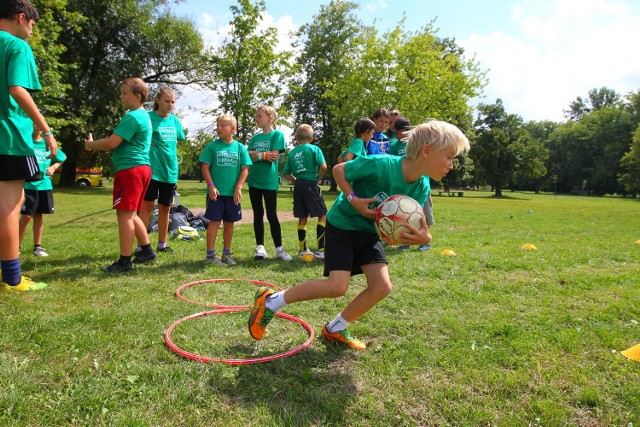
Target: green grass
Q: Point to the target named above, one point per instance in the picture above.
(493, 336)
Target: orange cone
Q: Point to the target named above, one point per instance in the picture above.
(633, 353)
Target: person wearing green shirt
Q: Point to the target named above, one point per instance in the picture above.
(364, 129)
(163, 155)
(265, 149)
(305, 167)
(130, 144)
(225, 167)
(18, 115)
(39, 194)
(353, 247)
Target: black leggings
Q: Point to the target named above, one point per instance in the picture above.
(271, 204)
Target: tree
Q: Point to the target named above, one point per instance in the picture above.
(630, 165)
(107, 41)
(246, 71)
(598, 98)
(498, 150)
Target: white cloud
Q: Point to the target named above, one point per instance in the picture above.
(375, 6)
(564, 49)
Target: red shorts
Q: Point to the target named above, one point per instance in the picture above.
(129, 187)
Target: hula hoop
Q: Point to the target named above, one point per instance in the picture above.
(248, 361)
(187, 285)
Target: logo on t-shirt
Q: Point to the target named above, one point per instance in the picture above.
(226, 158)
(168, 133)
(380, 197)
(262, 146)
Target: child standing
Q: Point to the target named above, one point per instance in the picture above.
(380, 141)
(163, 156)
(130, 143)
(353, 247)
(18, 115)
(265, 149)
(227, 161)
(364, 129)
(39, 194)
(305, 167)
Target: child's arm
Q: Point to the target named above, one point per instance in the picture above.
(321, 171)
(206, 174)
(361, 205)
(237, 192)
(267, 156)
(104, 144)
(52, 168)
(25, 101)
(289, 178)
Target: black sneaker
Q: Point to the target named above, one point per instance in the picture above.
(116, 267)
(143, 257)
(166, 250)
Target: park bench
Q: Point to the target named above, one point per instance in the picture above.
(451, 193)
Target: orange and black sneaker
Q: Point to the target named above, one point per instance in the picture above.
(344, 338)
(260, 314)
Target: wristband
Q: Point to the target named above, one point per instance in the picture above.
(260, 156)
(48, 133)
(351, 196)
(210, 184)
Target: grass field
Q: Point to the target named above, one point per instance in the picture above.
(494, 336)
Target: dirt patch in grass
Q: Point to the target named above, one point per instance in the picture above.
(247, 215)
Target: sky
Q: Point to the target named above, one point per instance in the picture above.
(539, 55)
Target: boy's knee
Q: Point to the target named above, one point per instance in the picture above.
(338, 288)
(382, 289)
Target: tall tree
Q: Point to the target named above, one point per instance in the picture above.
(630, 165)
(246, 70)
(597, 99)
(113, 40)
(497, 151)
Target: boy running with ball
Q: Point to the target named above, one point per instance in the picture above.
(352, 245)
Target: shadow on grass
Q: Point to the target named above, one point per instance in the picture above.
(313, 387)
(71, 221)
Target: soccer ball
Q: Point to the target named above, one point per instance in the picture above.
(392, 215)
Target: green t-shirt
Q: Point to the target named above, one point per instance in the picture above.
(17, 68)
(356, 147)
(303, 162)
(225, 164)
(263, 174)
(374, 176)
(167, 131)
(41, 153)
(135, 129)
(397, 147)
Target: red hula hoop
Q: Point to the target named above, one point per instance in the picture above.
(193, 356)
(187, 285)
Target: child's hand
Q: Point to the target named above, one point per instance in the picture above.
(213, 193)
(362, 206)
(86, 142)
(52, 145)
(269, 156)
(49, 171)
(237, 196)
(416, 237)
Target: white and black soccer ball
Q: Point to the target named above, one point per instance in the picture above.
(393, 214)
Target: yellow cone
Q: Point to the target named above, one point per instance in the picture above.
(529, 247)
(307, 257)
(448, 252)
(638, 242)
(633, 353)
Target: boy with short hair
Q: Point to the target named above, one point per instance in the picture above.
(379, 141)
(39, 194)
(225, 167)
(352, 245)
(305, 167)
(130, 144)
(18, 115)
(364, 129)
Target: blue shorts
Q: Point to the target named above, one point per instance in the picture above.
(223, 209)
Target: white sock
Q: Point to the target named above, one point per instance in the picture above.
(276, 302)
(338, 324)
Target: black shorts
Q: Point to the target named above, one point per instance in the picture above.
(160, 190)
(37, 202)
(348, 250)
(223, 209)
(16, 168)
(307, 199)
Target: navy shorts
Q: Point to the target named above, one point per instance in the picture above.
(307, 199)
(37, 202)
(223, 209)
(348, 250)
(17, 168)
(162, 191)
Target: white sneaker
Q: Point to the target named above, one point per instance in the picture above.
(307, 252)
(226, 258)
(280, 253)
(261, 253)
(40, 252)
(318, 254)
